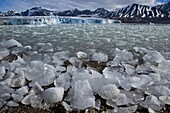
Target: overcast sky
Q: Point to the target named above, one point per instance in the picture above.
(59, 5)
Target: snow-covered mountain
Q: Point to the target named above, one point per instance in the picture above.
(165, 7)
(37, 11)
(101, 12)
(138, 11)
(133, 13)
(74, 12)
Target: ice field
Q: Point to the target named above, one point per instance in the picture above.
(44, 65)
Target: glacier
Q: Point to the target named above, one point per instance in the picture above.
(52, 20)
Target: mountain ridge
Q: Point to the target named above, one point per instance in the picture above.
(131, 13)
(138, 11)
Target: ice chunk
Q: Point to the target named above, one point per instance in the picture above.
(130, 109)
(81, 76)
(139, 82)
(52, 95)
(155, 77)
(112, 103)
(67, 106)
(57, 61)
(35, 56)
(165, 99)
(133, 97)
(2, 103)
(48, 66)
(141, 50)
(153, 57)
(5, 96)
(108, 91)
(7, 79)
(64, 55)
(143, 69)
(2, 72)
(3, 52)
(152, 102)
(164, 66)
(121, 99)
(17, 50)
(47, 58)
(12, 104)
(20, 60)
(60, 68)
(125, 83)
(18, 80)
(36, 89)
(46, 79)
(90, 52)
(63, 80)
(71, 69)
(36, 101)
(26, 100)
(75, 62)
(112, 73)
(98, 83)
(5, 89)
(36, 70)
(121, 55)
(45, 47)
(100, 57)
(135, 82)
(82, 96)
(94, 73)
(11, 43)
(13, 65)
(159, 90)
(17, 97)
(81, 54)
(151, 110)
(130, 70)
(32, 99)
(23, 90)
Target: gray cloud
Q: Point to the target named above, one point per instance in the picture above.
(71, 4)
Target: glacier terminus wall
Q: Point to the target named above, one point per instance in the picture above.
(52, 20)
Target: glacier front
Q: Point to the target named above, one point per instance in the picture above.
(52, 20)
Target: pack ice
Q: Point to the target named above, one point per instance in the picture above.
(133, 78)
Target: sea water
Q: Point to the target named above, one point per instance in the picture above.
(101, 37)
